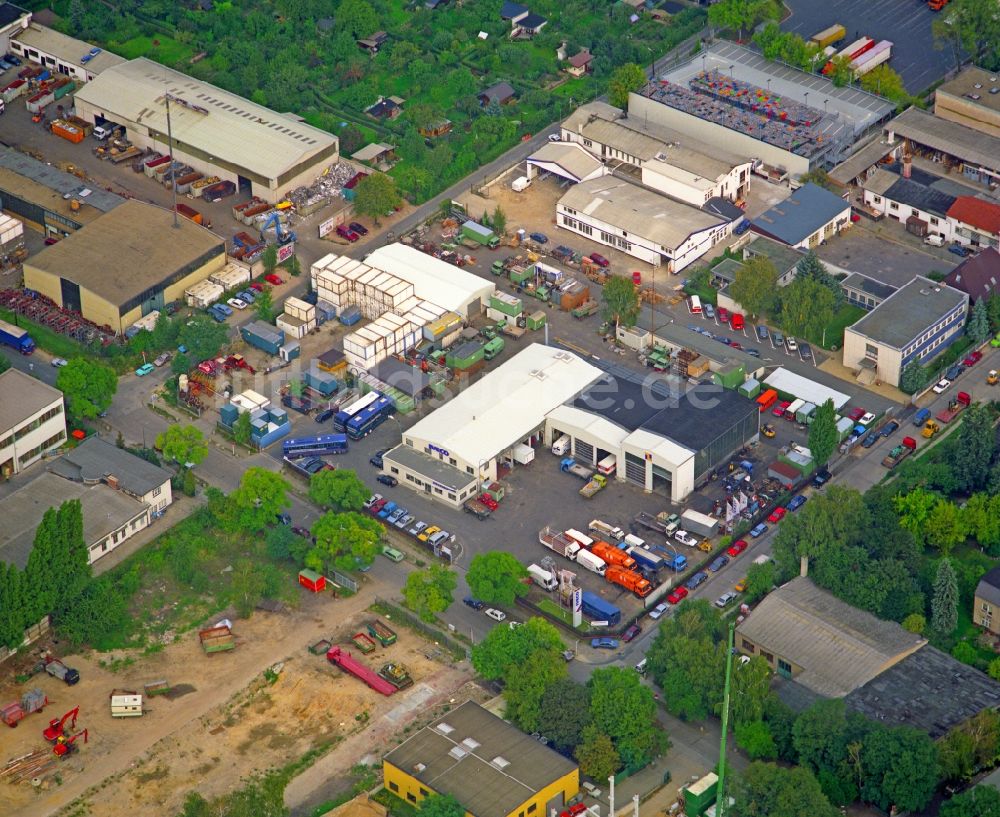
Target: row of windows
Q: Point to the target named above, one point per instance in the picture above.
(615, 241)
(783, 666)
(27, 428)
(51, 442)
(579, 226)
(451, 495)
(939, 327)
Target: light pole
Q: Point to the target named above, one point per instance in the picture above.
(170, 151)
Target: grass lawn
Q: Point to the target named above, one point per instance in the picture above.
(45, 338)
(703, 290)
(832, 336)
(554, 609)
(160, 48)
(397, 806)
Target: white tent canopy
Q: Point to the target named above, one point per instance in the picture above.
(803, 388)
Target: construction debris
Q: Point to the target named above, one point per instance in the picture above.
(326, 188)
(33, 766)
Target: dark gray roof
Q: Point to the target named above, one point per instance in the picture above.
(56, 180)
(988, 588)
(408, 379)
(532, 20)
(801, 214)
(928, 690)
(794, 695)
(914, 194)
(719, 206)
(9, 13)
(95, 459)
(511, 10)
(862, 283)
(500, 92)
(909, 312)
(978, 276)
(488, 765)
(693, 418)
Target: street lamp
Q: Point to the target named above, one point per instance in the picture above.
(170, 150)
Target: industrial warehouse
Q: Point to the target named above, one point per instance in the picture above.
(663, 442)
(113, 272)
(218, 133)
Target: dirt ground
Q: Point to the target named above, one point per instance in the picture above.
(228, 718)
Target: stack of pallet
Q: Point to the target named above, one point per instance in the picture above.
(36, 764)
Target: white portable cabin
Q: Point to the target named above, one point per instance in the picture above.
(126, 705)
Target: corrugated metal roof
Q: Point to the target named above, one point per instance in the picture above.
(68, 49)
(210, 119)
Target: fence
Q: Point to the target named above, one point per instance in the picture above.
(457, 648)
(31, 634)
(345, 581)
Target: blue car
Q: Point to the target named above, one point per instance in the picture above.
(387, 509)
(742, 227)
(758, 530)
(718, 563)
(795, 503)
(217, 316)
(225, 310)
(696, 580)
(246, 295)
(604, 643)
(540, 238)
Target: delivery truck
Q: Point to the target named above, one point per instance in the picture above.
(595, 564)
(558, 542)
(543, 578)
(17, 338)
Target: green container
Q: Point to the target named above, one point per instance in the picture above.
(700, 795)
(731, 377)
(535, 320)
(518, 275)
(750, 388)
(493, 348)
(464, 355)
(507, 304)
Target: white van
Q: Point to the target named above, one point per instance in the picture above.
(543, 578)
(521, 183)
(607, 465)
(641, 667)
(561, 446)
(934, 240)
(694, 304)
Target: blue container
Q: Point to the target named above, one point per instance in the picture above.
(350, 316)
(228, 413)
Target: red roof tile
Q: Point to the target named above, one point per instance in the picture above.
(976, 213)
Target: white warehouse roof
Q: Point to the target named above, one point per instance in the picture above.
(788, 382)
(504, 407)
(220, 123)
(433, 280)
(667, 450)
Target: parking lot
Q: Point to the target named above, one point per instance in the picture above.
(906, 24)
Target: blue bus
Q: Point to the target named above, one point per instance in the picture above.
(368, 419)
(314, 446)
(345, 414)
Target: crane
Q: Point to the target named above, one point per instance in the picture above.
(56, 727)
(274, 221)
(65, 746)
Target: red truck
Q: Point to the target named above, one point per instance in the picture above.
(961, 401)
(628, 579)
(612, 555)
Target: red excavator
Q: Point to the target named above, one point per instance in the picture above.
(65, 746)
(57, 726)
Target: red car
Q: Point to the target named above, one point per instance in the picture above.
(779, 410)
(277, 280)
(574, 810)
(723, 314)
(777, 515)
(856, 414)
(737, 547)
(257, 287)
(736, 321)
(637, 278)
(678, 595)
(599, 259)
(346, 232)
(973, 359)
(489, 501)
(631, 633)
(374, 509)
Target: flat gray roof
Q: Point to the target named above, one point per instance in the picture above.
(95, 459)
(490, 766)
(68, 49)
(57, 181)
(909, 312)
(948, 137)
(782, 256)
(104, 510)
(446, 475)
(862, 283)
(21, 396)
(974, 82)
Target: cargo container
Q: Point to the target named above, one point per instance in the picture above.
(184, 182)
(218, 191)
(481, 235)
(64, 89)
(829, 36)
(67, 131)
(599, 610)
(536, 320)
(203, 294)
(699, 523)
(350, 315)
(14, 90)
(750, 388)
(37, 103)
(263, 336)
(191, 213)
(805, 413)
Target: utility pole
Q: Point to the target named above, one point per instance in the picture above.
(721, 807)
(170, 151)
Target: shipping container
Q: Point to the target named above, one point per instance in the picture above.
(263, 336)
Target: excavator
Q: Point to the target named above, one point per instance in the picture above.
(281, 235)
(65, 746)
(57, 726)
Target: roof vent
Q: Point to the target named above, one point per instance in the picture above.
(445, 728)
(977, 85)
(457, 752)
(661, 156)
(418, 767)
(471, 744)
(500, 762)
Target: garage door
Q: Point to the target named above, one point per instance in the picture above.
(584, 452)
(662, 481)
(635, 470)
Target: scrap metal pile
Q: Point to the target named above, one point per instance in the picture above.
(327, 186)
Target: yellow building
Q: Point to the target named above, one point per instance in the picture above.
(125, 264)
(492, 768)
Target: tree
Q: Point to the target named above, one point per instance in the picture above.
(810, 267)
(624, 80)
(974, 448)
(345, 541)
(243, 428)
(504, 651)
(440, 805)
(88, 387)
(523, 689)
(429, 592)
(768, 790)
(265, 306)
(978, 328)
(756, 740)
(979, 801)
(497, 577)
(899, 768)
(817, 176)
(202, 337)
(823, 433)
(247, 588)
(841, 72)
(499, 220)
(760, 579)
(189, 485)
(755, 285)
(596, 755)
(261, 496)
(751, 684)
(806, 307)
(358, 17)
(882, 80)
(944, 527)
(742, 15)
(944, 604)
(376, 196)
(183, 444)
(293, 265)
(973, 24)
(269, 259)
(180, 364)
(621, 301)
(913, 378)
(821, 735)
(341, 489)
(622, 708)
(914, 508)
(914, 623)
(565, 713)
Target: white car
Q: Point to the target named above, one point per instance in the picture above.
(237, 303)
(555, 137)
(514, 624)
(659, 610)
(941, 386)
(725, 599)
(686, 538)
(496, 615)
(791, 344)
(866, 418)
(59, 362)
(372, 500)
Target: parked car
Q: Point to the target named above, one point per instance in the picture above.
(325, 415)
(387, 479)
(758, 530)
(386, 509)
(604, 643)
(796, 502)
(555, 137)
(805, 351)
(247, 295)
(346, 232)
(417, 528)
(941, 386)
(821, 478)
(697, 580)
(725, 599)
(953, 371)
(777, 515)
(59, 362)
(377, 506)
(144, 369)
(428, 532)
(723, 314)
(496, 615)
(678, 595)
(274, 279)
(403, 521)
(161, 359)
(237, 303)
(959, 250)
(539, 238)
(718, 563)
(736, 322)
(737, 547)
(686, 538)
(475, 604)
(392, 554)
(658, 611)
(257, 287)
(753, 352)
(631, 633)
(600, 260)
(360, 229)
(777, 338)
(741, 585)
(870, 439)
(708, 311)
(791, 344)
(376, 460)
(856, 414)
(372, 500)
(762, 333)
(395, 514)
(889, 427)
(225, 310)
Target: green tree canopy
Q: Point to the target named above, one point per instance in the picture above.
(755, 286)
(882, 80)
(979, 801)
(202, 336)
(913, 378)
(806, 307)
(596, 754)
(341, 489)
(440, 805)
(183, 444)
(742, 15)
(429, 592)
(243, 428)
(345, 541)
(264, 306)
(755, 738)
(973, 25)
(751, 684)
(376, 196)
(621, 301)
(899, 768)
(505, 651)
(767, 790)
(88, 387)
(974, 448)
(261, 496)
(944, 604)
(624, 80)
(524, 688)
(823, 433)
(269, 259)
(497, 577)
(358, 17)
(622, 708)
(565, 713)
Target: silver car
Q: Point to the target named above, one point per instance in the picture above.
(725, 599)
(686, 538)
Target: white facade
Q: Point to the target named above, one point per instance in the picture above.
(33, 421)
(384, 337)
(61, 54)
(937, 223)
(694, 189)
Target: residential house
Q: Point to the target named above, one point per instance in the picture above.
(978, 275)
(986, 602)
(526, 27)
(579, 63)
(502, 93)
(975, 222)
(913, 197)
(385, 108)
(810, 216)
(373, 43)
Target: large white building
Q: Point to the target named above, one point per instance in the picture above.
(62, 54)
(216, 132)
(658, 230)
(667, 160)
(32, 421)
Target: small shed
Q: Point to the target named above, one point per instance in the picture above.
(312, 581)
(579, 64)
(784, 473)
(375, 153)
(536, 320)
(126, 703)
(332, 361)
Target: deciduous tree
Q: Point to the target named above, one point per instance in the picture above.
(806, 307)
(979, 801)
(261, 496)
(756, 740)
(524, 688)
(596, 755)
(823, 433)
(624, 80)
(440, 805)
(768, 790)
(742, 15)
(622, 708)
(621, 301)
(183, 444)
(357, 17)
(264, 305)
(269, 259)
(345, 541)
(497, 577)
(341, 490)
(504, 650)
(202, 337)
(247, 588)
(944, 604)
(376, 196)
(944, 527)
(882, 80)
(751, 684)
(913, 378)
(429, 592)
(755, 286)
(565, 713)
(899, 768)
(88, 387)
(974, 24)
(243, 428)
(914, 623)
